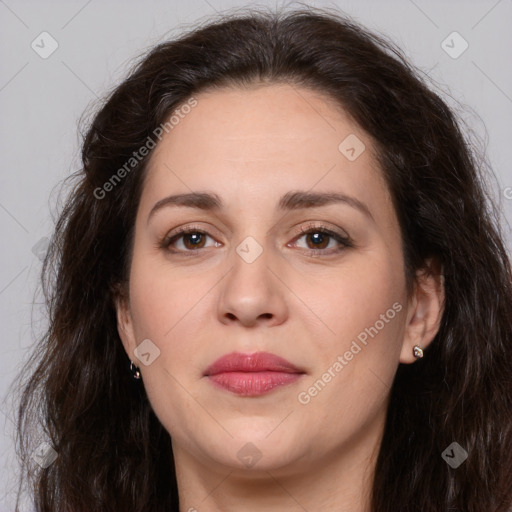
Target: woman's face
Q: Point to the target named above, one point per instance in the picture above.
(276, 161)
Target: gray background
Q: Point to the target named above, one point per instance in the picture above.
(42, 99)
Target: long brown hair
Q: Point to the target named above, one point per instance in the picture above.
(113, 454)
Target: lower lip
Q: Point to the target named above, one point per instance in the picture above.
(253, 383)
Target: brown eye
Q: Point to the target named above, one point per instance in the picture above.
(194, 240)
(190, 240)
(323, 241)
(318, 239)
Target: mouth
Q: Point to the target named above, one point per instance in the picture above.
(252, 374)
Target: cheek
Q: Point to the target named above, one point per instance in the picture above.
(364, 308)
(356, 365)
(158, 295)
(356, 298)
(168, 311)
(171, 309)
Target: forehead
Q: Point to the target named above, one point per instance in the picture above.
(261, 140)
(261, 122)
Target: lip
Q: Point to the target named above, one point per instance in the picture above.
(252, 374)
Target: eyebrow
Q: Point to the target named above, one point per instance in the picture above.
(289, 201)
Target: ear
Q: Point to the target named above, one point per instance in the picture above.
(125, 323)
(424, 311)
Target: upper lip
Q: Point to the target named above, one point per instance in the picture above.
(257, 362)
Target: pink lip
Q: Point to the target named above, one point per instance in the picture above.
(252, 374)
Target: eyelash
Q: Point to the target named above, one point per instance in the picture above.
(343, 240)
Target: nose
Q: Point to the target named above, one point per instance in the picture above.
(252, 294)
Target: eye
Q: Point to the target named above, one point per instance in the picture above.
(191, 241)
(321, 240)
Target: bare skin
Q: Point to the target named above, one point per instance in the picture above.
(304, 298)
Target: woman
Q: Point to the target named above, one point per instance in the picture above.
(278, 285)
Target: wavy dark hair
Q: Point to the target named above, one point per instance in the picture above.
(77, 391)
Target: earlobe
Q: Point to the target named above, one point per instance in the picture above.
(424, 313)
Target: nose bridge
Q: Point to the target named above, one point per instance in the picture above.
(251, 259)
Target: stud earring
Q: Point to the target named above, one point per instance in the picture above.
(417, 351)
(134, 371)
